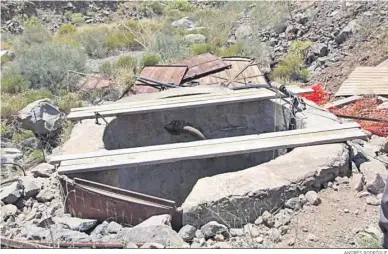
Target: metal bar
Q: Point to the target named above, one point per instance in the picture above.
(98, 245)
(157, 82)
(250, 86)
(362, 118)
(22, 244)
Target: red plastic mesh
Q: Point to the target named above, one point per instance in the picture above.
(366, 107)
(319, 96)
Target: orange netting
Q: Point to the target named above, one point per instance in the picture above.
(366, 107)
(319, 96)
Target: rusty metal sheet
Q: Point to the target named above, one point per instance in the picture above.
(202, 65)
(365, 81)
(87, 199)
(243, 70)
(96, 83)
(164, 73)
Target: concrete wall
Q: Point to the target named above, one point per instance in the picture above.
(175, 180)
(214, 121)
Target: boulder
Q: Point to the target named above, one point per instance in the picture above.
(152, 246)
(11, 193)
(43, 170)
(8, 210)
(351, 28)
(76, 223)
(294, 203)
(357, 182)
(212, 228)
(274, 235)
(161, 234)
(251, 230)
(236, 232)
(320, 49)
(114, 227)
(268, 219)
(199, 234)
(187, 232)
(131, 245)
(30, 188)
(100, 231)
(243, 31)
(282, 218)
(41, 117)
(10, 155)
(373, 201)
(312, 198)
(31, 232)
(67, 235)
(310, 167)
(196, 38)
(46, 195)
(375, 176)
(164, 219)
(183, 23)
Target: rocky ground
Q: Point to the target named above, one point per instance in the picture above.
(343, 214)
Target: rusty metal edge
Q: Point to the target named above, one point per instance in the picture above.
(22, 244)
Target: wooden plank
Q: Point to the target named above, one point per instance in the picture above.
(342, 102)
(61, 158)
(365, 81)
(157, 108)
(202, 97)
(383, 64)
(210, 151)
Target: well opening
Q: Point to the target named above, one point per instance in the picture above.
(175, 180)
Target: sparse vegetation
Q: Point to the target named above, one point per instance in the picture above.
(150, 59)
(14, 83)
(198, 49)
(67, 29)
(233, 50)
(157, 7)
(77, 18)
(66, 102)
(19, 137)
(181, 5)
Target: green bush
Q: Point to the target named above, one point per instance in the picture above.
(291, 69)
(11, 105)
(4, 130)
(67, 132)
(157, 7)
(120, 39)
(19, 137)
(106, 69)
(14, 83)
(93, 41)
(181, 5)
(174, 14)
(66, 102)
(77, 18)
(170, 47)
(47, 65)
(150, 59)
(126, 62)
(233, 50)
(34, 33)
(38, 94)
(125, 78)
(67, 29)
(31, 22)
(299, 48)
(198, 49)
(37, 156)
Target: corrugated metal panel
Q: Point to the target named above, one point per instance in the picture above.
(364, 81)
(243, 70)
(383, 64)
(164, 73)
(96, 83)
(87, 199)
(202, 65)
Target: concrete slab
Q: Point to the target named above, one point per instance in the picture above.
(238, 198)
